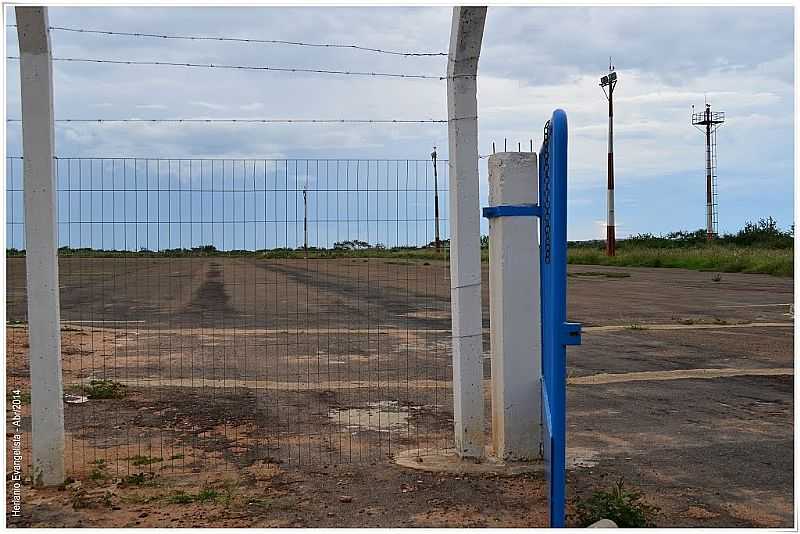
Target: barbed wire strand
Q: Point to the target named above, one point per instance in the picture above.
(252, 67)
(262, 121)
(288, 121)
(244, 40)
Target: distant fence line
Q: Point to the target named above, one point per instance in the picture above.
(200, 330)
(173, 204)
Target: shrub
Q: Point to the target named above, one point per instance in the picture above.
(623, 507)
(105, 389)
(764, 233)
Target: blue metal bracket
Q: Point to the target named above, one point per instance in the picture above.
(509, 210)
(571, 333)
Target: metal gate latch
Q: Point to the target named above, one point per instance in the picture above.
(571, 333)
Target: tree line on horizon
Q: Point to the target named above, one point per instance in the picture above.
(764, 233)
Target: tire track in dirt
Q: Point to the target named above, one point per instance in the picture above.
(210, 301)
(344, 290)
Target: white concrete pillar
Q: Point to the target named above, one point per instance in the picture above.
(466, 35)
(41, 248)
(514, 308)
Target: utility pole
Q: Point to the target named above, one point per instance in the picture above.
(610, 81)
(436, 200)
(708, 122)
(305, 219)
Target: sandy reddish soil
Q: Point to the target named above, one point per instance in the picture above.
(286, 387)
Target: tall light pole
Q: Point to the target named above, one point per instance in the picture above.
(436, 200)
(610, 81)
(305, 220)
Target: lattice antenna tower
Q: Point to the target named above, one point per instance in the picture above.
(708, 122)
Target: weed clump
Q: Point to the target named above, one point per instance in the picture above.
(144, 460)
(204, 495)
(139, 479)
(623, 507)
(105, 389)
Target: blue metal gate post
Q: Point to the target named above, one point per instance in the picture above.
(557, 333)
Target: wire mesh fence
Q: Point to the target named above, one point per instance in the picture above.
(244, 310)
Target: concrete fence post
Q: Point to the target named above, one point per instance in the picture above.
(466, 35)
(41, 249)
(514, 308)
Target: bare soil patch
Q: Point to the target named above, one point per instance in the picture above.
(261, 393)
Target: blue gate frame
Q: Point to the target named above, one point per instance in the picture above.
(557, 333)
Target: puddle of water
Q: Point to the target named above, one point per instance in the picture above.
(382, 416)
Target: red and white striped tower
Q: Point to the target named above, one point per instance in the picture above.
(610, 81)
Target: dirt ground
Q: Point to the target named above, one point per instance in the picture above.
(274, 393)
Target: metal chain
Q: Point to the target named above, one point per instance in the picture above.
(545, 200)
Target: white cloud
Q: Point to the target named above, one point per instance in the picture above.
(534, 60)
(208, 105)
(151, 106)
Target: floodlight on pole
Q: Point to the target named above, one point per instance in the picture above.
(610, 81)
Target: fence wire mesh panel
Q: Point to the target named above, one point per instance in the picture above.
(244, 310)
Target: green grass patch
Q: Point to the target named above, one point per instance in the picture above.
(180, 497)
(140, 479)
(144, 460)
(623, 507)
(759, 247)
(204, 495)
(105, 389)
(711, 257)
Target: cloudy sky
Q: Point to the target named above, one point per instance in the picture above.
(534, 59)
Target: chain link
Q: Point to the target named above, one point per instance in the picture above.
(545, 194)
